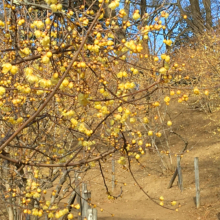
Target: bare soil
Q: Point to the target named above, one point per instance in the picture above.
(202, 131)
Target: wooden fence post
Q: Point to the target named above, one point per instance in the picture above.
(92, 214)
(172, 179)
(84, 187)
(83, 202)
(180, 178)
(95, 214)
(113, 172)
(176, 171)
(196, 166)
(86, 195)
(78, 196)
(87, 212)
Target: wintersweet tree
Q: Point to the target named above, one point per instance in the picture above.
(77, 86)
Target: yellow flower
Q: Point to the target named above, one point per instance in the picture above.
(45, 83)
(100, 17)
(19, 120)
(137, 157)
(47, 21)
(40, 24)
(122, 13)
(161, 198)
(167, 59)
(26, 51)
(45, 59)
(166, 15)
(37, 33)
(50, 215)
(163, 56)
(45, 41)
(2, 24)
(14, 69)
(28, 71)
(59, 7)
(40, 92)
(167, 99)
(53, 7)
(135, 71)
(173, 203)
(132, 120)
(74, 122)
(163, 70)
(6, 67)
(65, 83)
(150, 133)
(169, 123)
(120, 109)
(117, 117)
(136, 15)
(2, 90)
(196, 91)
(168, 42)
(114, 4)
(122, 161)
(119, 75)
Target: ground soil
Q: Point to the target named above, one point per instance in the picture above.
(201, 129)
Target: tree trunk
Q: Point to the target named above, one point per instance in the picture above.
(196, 24)
(196, 14)
(143, 11)
(207, 5)
(121, 34)
(143, 7)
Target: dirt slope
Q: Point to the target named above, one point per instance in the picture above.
(201, 131)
